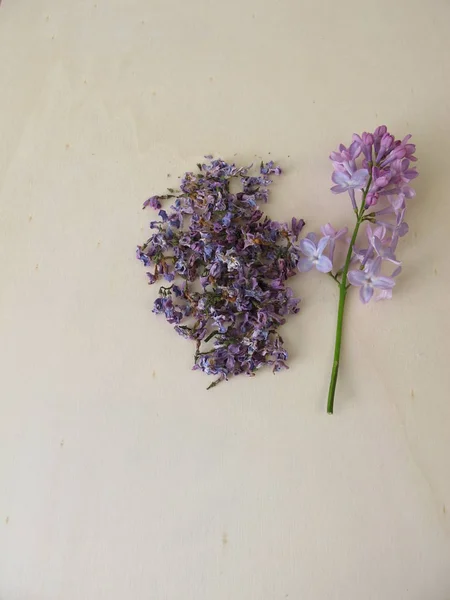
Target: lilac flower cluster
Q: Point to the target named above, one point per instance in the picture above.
(226, 265)
(380, 167)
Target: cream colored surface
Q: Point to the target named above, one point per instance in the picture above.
(120, 476)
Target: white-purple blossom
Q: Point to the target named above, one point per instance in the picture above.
(380, 244)
(346, 181)
(314, 255)
(368, 280)
(334, 235)
(386, 293)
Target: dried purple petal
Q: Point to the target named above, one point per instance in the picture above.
(153, 202)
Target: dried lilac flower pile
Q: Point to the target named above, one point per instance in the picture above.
(226, 266)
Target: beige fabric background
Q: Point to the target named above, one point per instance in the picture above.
(120, 476)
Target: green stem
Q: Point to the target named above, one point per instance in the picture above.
(211, 335)
(214, 383)
(334, 277)
(343, 287)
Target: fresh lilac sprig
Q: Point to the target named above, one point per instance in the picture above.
(378, 168)
(226, 265)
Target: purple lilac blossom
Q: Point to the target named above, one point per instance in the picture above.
(369, 279)
(314, 256)
(334, 235)
(345, 181)
(221, 243)
(381, 167)
(153, 202)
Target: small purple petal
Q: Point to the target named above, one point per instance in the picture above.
(307, 247)
(375, 267)
(356, 277)
(304, 265)
(328, 230)
(355, 149)
(384, 295)
(341, 178)
(359, 178)
(408, 191)
(402, 229)
(153, 202)
(384, 283)
(323, 242)
(376, 243)
(382, 181)
(324, 264)
(366, 293)
(338, 189)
